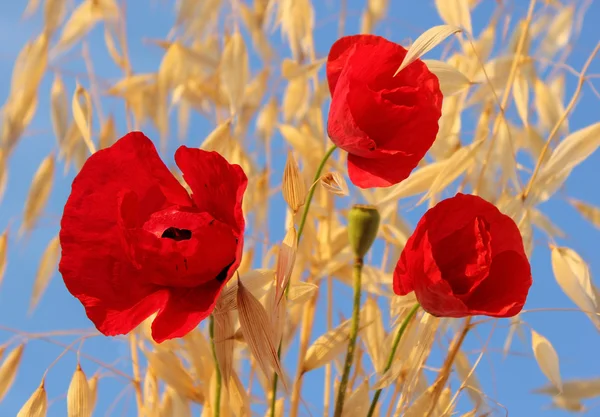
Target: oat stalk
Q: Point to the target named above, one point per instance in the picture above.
(309, 197)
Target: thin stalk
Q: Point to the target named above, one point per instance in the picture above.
(135, 363)
(311, 193)
(217, 401)
(309, 198)
(356, 278)
(390, 359)
(327, 388)
(445, 371)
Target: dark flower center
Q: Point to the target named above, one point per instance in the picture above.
(223, 274)
(177, 234)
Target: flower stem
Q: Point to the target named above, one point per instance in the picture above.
(217, 401)
(309, 198)
(274, 386)
(356, 278)
(311, 193)
(390, 359)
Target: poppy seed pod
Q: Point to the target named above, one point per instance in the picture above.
(363, 223)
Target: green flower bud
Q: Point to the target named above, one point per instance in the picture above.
(363, 223)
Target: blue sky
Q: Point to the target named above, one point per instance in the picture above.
(508, 381)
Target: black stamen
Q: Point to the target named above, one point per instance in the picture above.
(223, 274)
(177, 234)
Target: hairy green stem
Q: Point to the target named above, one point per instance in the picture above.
(390, 359)
(356, 278)
(217, 401)
(309, 198)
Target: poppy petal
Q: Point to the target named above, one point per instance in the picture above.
(94, 266)
(184, 309)
(387, 55)
(380, 172)
(403, 282)
(432, 291)
(504, 292)
(116, 298)
(217, 185)
(343, 129)
(339, 53)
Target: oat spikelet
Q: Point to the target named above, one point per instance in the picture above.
(78, 395)
(37, 404)
(108, 133)
(169, 368)
(285, 262)
(45, 271)
(258, 332)
(547, 358)
(59, 108)
(82, 114)
(426, 42)
(93, 386)
(38, 193)
(151, 398)
(335, 183)
(8, 369)
(224, 340)
(293, 186)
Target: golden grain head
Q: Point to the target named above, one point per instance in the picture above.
(515, 124)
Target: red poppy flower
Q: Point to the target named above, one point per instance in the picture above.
(134, 242)
(465, 258)
(386, 123)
